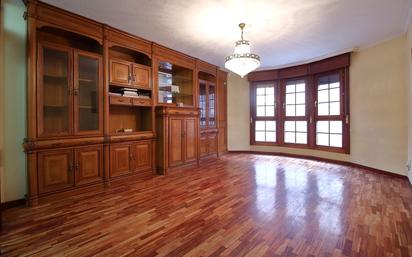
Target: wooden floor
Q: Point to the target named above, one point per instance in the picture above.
(241, 205)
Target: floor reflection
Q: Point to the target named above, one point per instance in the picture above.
(308, 201)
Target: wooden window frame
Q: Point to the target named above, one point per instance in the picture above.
(344, 111)
(254, 117)
(311, 116)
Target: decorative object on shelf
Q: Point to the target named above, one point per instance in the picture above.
(242, 61)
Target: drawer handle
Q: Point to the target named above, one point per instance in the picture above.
(56, 144)
(87, 142)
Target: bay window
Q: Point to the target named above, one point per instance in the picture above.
(304, 106)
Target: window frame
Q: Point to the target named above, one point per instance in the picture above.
(285, 118)
(311, 116)
(344, 111)
(254, 117)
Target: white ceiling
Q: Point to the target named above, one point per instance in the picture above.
(282, 32)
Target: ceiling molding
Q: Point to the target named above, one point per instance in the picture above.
(319, 58)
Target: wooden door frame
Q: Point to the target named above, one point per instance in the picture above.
(76, 104)
(39, 88)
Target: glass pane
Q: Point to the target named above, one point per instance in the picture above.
(301, 126)
(290, 137)
(88, 93)
(260, 91)
(336, 127)
(270, 90)
(55, 92)
(270, 125)
(336, 140)
(300, 98)
(270, 99)
(289, 126)
(323, 109)
(175, 84)
(301, 138)
(260, 125)
(260, 111)
(300, 87)
(323, 86)
(270, 111)
(322, 126)
(300, 110)
(290, 110)
(323, 96)
(334, 85)
(322, 139)
(212, 99)
(260, 100)
(260, 136)
(334, 78)
(335, 108)
(290, 88)
(202, 104)
(290, 98)
(334, 94)
(271, 136)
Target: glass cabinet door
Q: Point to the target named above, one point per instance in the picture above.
(55, 84)
(175, 84)
(87, 90)
(212, 106)
(202, 104)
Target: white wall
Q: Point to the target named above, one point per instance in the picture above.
(13, 101)
(378, 110)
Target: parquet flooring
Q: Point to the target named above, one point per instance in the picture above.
(239, 205)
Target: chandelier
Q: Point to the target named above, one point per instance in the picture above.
(242, 61)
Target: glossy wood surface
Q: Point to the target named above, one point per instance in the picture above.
(240, 205)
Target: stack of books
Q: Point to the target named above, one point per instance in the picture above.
(128, 92)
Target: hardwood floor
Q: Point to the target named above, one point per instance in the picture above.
(240, 205)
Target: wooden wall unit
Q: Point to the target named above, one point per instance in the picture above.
(177, 142)
(222, 110)
(83, 130)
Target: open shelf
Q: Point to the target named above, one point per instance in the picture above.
(125, 117)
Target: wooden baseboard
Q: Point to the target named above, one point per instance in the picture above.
(321, 159)
(12, 204)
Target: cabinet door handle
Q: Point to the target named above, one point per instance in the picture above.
(76, 167)
(129, 78)
(76, 92)
(71, 167)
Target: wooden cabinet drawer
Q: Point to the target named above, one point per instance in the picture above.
(120, 100)
(141, 102)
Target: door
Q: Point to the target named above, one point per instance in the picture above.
(88, 164)
(190, 139)
(203, 145)
(142, 156)
(54, 90)
(55, 170)
(176, 130)
(120, 160)
(141, 76)
(88, 89)
(212, 140)
(120, 72)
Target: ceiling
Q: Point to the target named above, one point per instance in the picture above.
(282, 32)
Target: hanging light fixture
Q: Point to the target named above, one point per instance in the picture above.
(242, 61)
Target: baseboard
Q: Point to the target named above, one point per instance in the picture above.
(12, 204)
(315, 158)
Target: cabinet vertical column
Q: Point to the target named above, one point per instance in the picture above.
(32, 195)
(106, 147)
